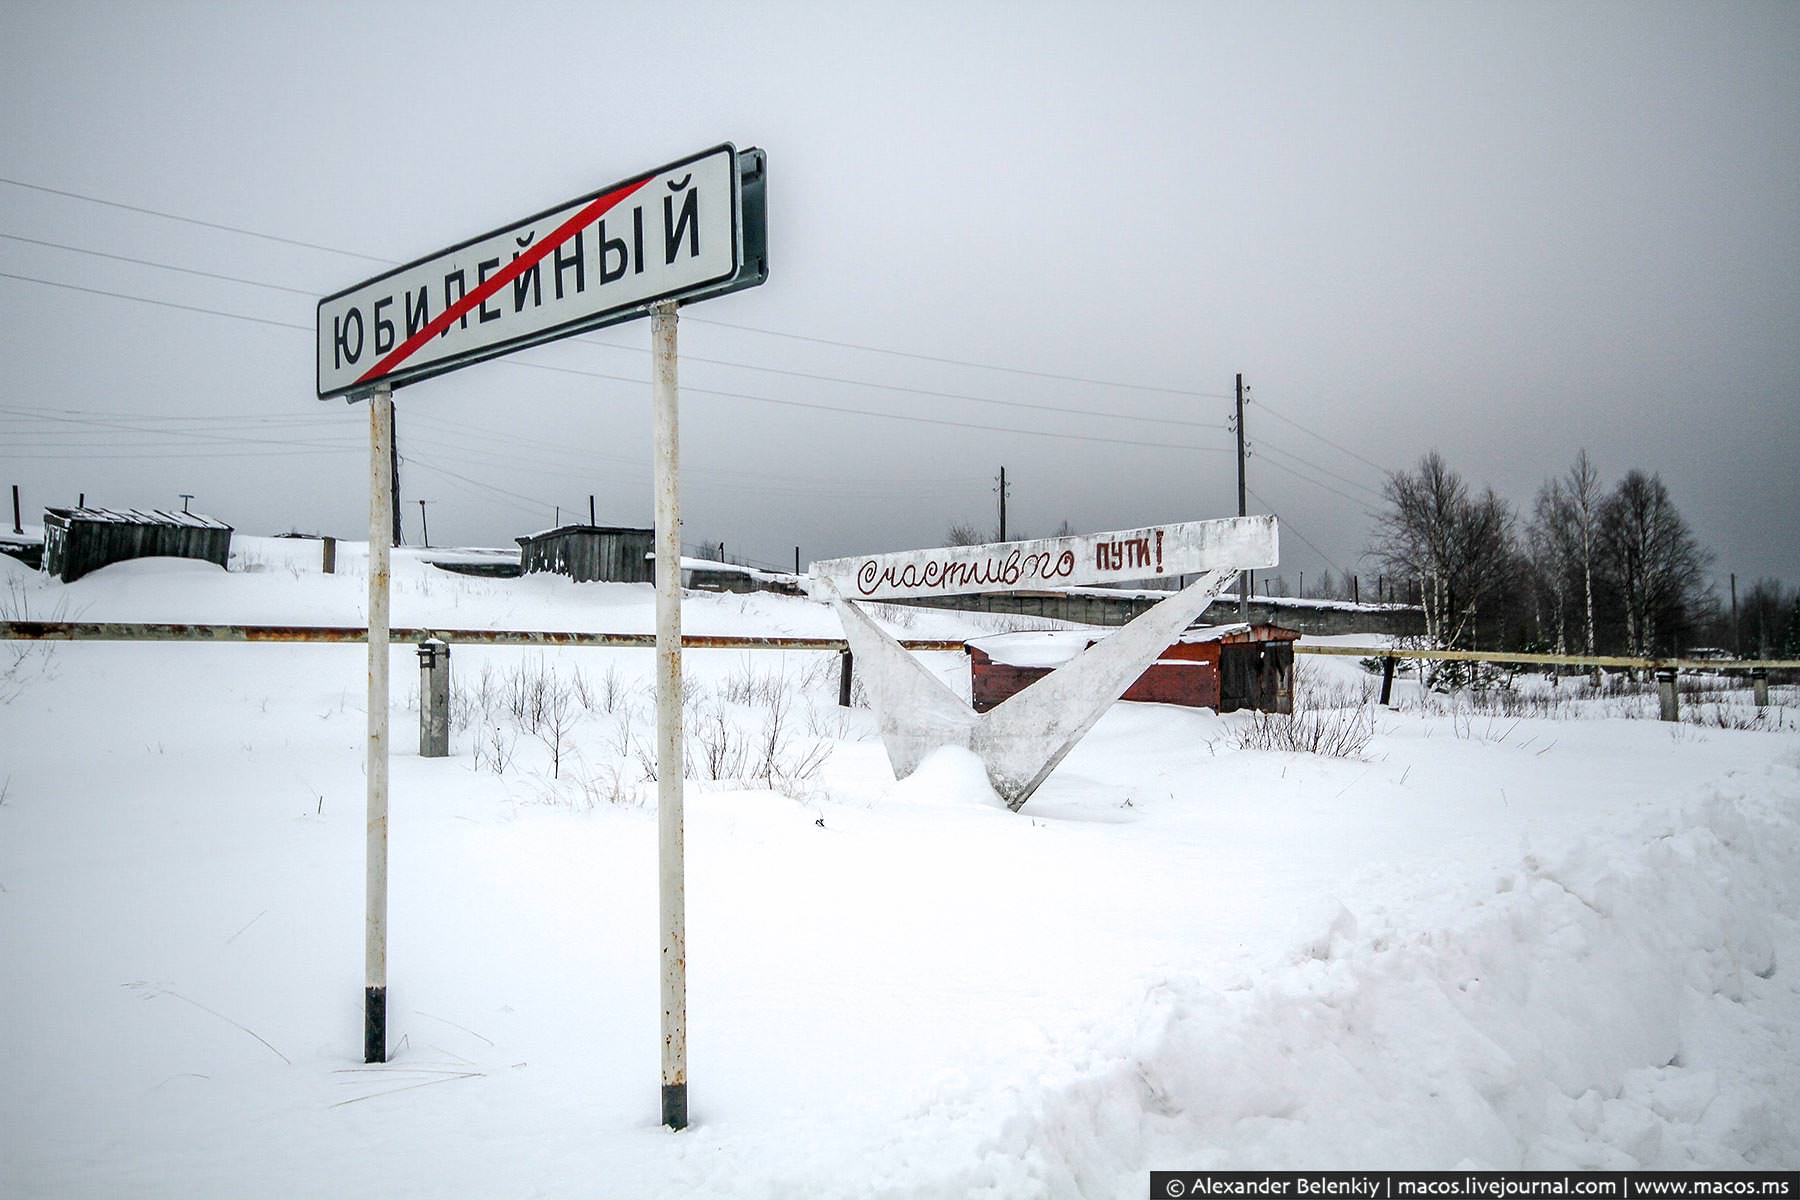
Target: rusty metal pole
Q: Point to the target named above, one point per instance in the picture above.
(672, 883)
(381, 498)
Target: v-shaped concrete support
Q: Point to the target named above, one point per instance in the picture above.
(1023, 739)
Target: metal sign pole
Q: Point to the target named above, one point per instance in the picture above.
(671, 872)
(381, 440)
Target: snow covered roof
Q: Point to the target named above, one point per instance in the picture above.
(584, 528)
(135, 516)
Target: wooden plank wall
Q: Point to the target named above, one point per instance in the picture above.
(74, 550)
(591, 555)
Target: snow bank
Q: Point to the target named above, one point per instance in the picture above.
(1614, 1006)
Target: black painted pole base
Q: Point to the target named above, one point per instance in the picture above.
(675, 1105)
(375, 1025)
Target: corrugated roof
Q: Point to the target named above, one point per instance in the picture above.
(138, 516)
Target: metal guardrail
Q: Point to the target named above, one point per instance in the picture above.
(1566, 660)
(119, 631)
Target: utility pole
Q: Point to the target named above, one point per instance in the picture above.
(185, 497)
(1003, 504)
(393, 466)
(423, 527)
(1245, 583)
(1737, 643)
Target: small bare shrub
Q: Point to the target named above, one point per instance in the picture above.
(1334, 721)
(555, 721)
(1333, 732)
(494, 749)
(715, 750)
(16, 667)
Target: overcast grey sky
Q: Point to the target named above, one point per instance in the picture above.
(1503, 231)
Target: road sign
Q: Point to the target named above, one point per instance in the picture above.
(692, 229)
(1157, 551)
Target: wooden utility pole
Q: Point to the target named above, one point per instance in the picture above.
(1003, 504)
(1737, 643)
(393, 467)
(1245, 584)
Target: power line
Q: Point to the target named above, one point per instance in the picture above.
(686, 357)
(183, 455)
(1265, 444)
(863, 412)
(515, 362)
(1264, 404)
(1287, 524)
(411, 460)
(896, 387)
(211, 312)
(255, 233)
(959, 362)
(702, 478)
(169, 216)
(192, 434)
(162, 266)
(1356, 500)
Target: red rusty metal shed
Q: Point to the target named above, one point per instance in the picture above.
(1221, 667)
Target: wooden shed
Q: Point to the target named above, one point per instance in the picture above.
(590, 553)
(1221, 667)
(79, 540)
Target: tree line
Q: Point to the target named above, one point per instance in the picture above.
(1588, 570)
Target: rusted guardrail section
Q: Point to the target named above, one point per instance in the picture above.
(1565, 660)
(120, 631)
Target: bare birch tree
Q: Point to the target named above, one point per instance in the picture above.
(1651, 562)
(1584, 507)
(1457, 546)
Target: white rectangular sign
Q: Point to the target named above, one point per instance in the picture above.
(1158, 551)
(673, 233)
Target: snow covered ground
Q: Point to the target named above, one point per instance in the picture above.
(1488, 941)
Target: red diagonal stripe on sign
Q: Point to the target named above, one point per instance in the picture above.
(593, 211)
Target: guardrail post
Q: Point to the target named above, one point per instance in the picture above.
(331, 556)
(1671, 700)
(1759, 686)
(1387, 680)
(434, 698)
(846, 665)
